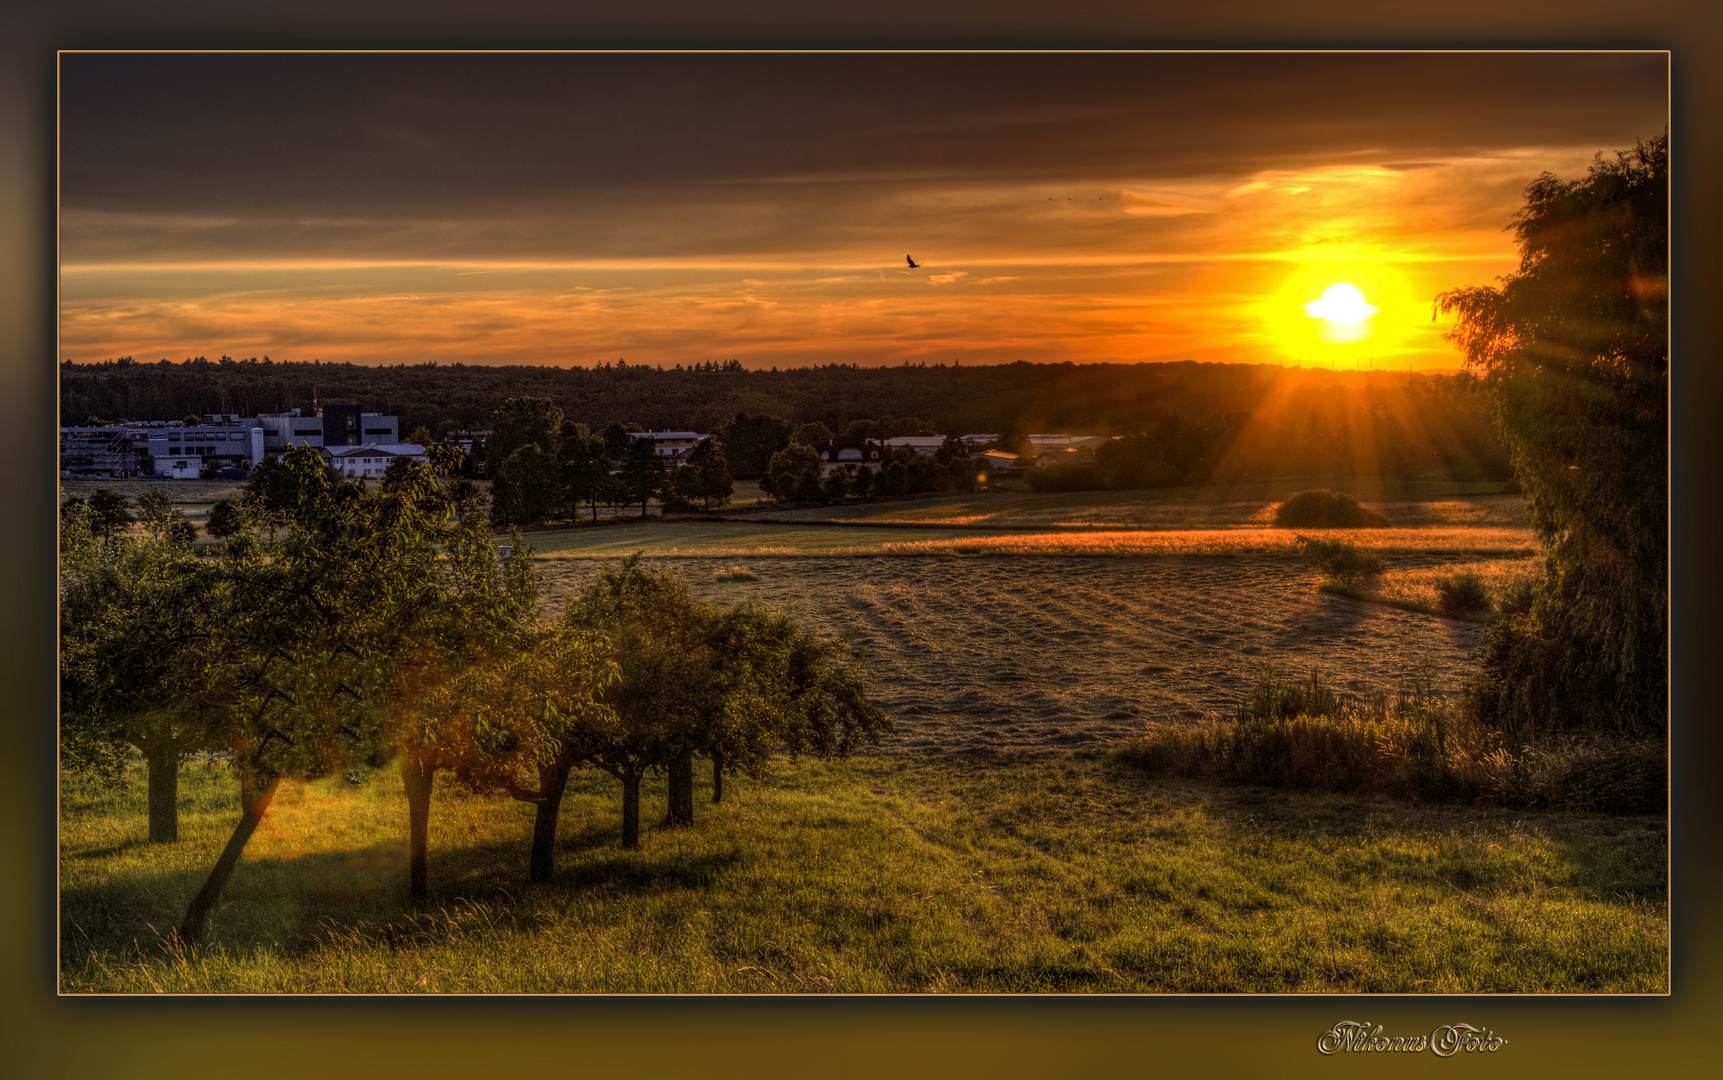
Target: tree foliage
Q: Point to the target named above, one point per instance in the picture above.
(109, 512)
(1573, 350)
(794, 474)
(522, 421)
(141, 626)
(527, 488)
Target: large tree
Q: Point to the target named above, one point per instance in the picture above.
(527, 487)
(750, 441)
(730, 686)
(142, 623)
(641, 474)
(338, 595)
(1573, 349)
(536, 717)
(704, 476)
(520, 421)
(794, 473)
(109, 512)
(585, 471)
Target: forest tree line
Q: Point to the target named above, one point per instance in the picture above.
(1220, 422)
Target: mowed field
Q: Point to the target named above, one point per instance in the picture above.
(979, 653)
(1018, 622)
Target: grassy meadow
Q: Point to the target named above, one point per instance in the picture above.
(883, 874)
(991, 844)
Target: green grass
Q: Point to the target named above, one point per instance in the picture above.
(882, 874)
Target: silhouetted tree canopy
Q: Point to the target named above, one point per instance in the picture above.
(1574, 352)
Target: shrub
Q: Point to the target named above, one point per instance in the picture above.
(737, 573)
(1305, 735)
(1517, 597)
(1344, 563)
(1462, 594)
(1411, 744)
(1324, 509)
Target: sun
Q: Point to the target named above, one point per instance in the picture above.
(1342, 304)
(1351, 313)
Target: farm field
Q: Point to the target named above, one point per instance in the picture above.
(890, 874)
(1029, 654)
(987, 638)
(987, 846)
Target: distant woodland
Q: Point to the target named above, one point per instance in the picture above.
(1224, 422)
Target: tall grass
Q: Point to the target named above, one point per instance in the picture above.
(1408, 744)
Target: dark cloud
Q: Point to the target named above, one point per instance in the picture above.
(409, 134)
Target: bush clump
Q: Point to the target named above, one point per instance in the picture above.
(1303, 734)
(1324, 509)
(1345, 564)
(1459, 595)
(737, 573)
(1412, 744)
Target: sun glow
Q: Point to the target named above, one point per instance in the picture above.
(1346, 313)
(1341, 304)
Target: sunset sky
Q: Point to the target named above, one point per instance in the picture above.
(577, 208)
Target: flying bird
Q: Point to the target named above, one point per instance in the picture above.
(913, 265)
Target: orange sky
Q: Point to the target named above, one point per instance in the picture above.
(1141, 207)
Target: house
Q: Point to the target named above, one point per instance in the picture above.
(850, 454)
(672, 446)
(370, 461)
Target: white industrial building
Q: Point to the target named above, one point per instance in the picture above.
(370, 462)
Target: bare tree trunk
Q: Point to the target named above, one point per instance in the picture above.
(164, 795)
(631, 808)
(418, 768)
(254, 804)
(717, 776)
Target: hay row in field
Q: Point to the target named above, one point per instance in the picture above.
(1272, 543)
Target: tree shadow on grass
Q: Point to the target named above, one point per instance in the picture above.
(295, 905)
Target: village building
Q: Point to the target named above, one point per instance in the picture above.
(850, 454)
(672, 446)
(995, 460)
(370, 462)
(221, 443)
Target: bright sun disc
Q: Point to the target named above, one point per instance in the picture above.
(1342, 304)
